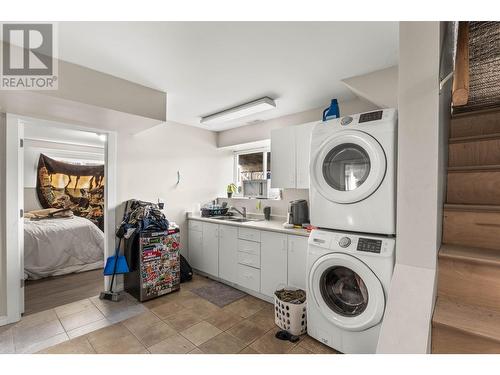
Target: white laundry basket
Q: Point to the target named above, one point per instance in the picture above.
(290, 316)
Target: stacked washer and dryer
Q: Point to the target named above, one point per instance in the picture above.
(353, 203)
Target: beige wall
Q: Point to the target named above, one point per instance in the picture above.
(261, 131)
(379, 87)
(148, 163)
(279, 208)
(422, 145)
(3, 251)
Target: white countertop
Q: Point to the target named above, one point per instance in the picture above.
(272, 225)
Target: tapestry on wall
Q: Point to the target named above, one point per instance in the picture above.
(66, 185)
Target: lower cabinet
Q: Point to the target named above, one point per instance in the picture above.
(249, 277)
(273, 269)
(210, 263)
(257, 260)
(228, 246)
(297, 261)
(195, 243)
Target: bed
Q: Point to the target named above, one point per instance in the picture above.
(54, 247)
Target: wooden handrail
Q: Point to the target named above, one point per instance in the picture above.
(460, 93)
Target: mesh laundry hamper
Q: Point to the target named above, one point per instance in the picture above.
(290, 316)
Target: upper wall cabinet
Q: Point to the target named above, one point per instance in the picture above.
(290, 147)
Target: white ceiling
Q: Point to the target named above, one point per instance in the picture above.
(206, 67)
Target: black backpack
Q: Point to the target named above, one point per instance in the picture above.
(186, 270)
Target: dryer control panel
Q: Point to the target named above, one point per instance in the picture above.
(369, 245)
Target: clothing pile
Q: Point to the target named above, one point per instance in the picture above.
(141, 216)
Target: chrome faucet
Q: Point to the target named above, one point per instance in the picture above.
(242, 213)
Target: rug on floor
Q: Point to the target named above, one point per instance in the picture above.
(219, 294)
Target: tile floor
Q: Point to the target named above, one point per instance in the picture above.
(178, 323)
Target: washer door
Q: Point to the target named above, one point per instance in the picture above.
(348, 167)
(347, 292)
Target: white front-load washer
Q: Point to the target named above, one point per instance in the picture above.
(353, 173)
(348, 277)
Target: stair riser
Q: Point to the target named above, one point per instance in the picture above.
(470, 283)
(475, 153)
(447, 340)
(473, 188)
(479, 124)
(475, 229)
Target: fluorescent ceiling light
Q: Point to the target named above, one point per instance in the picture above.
(247, 109)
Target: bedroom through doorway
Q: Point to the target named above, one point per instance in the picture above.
(64, 215)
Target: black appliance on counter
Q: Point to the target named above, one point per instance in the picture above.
(298, 212)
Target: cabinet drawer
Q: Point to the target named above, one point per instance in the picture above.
(249, 234)
(247, 259)
(249, 277)
(249, 247)
(195, 225)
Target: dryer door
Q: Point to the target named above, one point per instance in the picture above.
(348, 167)
(346, 291)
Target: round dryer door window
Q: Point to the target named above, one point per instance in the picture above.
(348, 167)
(346, 291)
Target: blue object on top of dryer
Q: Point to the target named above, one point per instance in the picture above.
(332, 111)
(353, 173)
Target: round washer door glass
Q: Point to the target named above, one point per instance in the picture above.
(346, 167)
(344, 291)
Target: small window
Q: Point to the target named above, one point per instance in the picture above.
(252, 174)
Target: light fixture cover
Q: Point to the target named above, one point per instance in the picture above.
(247, 109)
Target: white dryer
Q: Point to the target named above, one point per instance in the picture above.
(353, 173)
(348, 280)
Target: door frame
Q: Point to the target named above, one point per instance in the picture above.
(15, 195)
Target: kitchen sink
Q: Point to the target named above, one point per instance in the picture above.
(234, 219)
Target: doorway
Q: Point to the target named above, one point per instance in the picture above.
(61, 200)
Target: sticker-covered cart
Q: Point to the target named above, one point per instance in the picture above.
(154, 261)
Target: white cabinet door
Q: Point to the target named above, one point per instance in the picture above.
(228, 248)
(210, 262)
(195, 242)
(297, 259)
(303, 147)
(283, 158)
(273, 264)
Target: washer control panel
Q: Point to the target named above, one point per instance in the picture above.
(369, 245)
(324, 241)
(344, 242)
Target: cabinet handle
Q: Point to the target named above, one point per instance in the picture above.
(284, 245)
(291, 247)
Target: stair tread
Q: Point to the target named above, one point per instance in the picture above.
(472, 207)
(471, 254)
(470, 319)
(476, 113)
(473, 138)
(475, 168)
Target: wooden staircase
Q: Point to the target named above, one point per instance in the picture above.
(467, 314)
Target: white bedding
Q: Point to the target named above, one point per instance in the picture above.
(55, 247)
